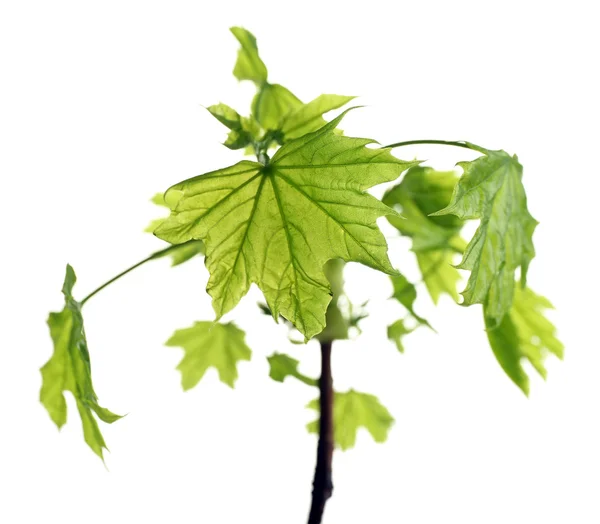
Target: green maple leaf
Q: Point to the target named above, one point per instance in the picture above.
(351, 411)
(277, 108)
(309, 117)
(272, 103)
(185, 251)
(248, 66)
(282, 366)
(435, 238)
(491, 189)
(397, 331)
(274, 106)
(243, 131)
(524, 334)
(439, 275)
(210, 344)
(278, 224)
(69, 370)
(406, 294)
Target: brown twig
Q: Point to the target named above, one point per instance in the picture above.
(323, 484)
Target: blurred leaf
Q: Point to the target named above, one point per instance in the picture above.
(439, 275)
(206, 345)
(282, 366)
(272, 103)
(406, 294)
(396, 333)
(351, 411)
(525, 333)
(248, 66)
(435, 238)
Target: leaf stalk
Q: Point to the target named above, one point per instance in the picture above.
(153, 256)
(465, 145)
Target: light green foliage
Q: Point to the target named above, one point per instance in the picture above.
(491, 189)
(525, 333)
(243, 131)
(282, 366)
(406, 294)
(183, 252)
(228, 116)
(309, 117)
(439, 275)
(69, 370)
(278, 224)
(421, 192)
(206, 345)
(248, 66)
(397, 331)
(274, 106)
(351, 411)
(272, 103)
(289, 223)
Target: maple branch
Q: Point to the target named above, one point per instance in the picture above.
(323, 484)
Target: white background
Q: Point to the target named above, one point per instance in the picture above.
(101, 107)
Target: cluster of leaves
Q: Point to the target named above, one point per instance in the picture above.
(435, 206)
(289, 220)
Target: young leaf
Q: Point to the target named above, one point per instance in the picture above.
(439, 275)
(248, 66)
(525, 333)
(69, 370)
(206, 345)
(351, 411)
(491, 189)
(406, 294)
(242, 130)
(278, 224)
(282, 366)
(309, 117)
(435, 239)
(272, 104)
(185, 251)
(396, 333)
(228, 116)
